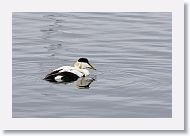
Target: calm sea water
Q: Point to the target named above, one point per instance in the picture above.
(131, 51)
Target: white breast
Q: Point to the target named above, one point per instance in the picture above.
(85, 72)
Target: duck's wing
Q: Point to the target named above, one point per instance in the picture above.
(59, 70)
(65, 74)
(73, 71)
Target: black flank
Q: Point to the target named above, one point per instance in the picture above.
(67, 76)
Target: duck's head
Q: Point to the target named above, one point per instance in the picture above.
(83, 63)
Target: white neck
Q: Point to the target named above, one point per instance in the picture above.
(80, 66)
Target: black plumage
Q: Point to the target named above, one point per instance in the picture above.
(66, 76)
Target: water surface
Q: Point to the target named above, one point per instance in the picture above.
(131, 51)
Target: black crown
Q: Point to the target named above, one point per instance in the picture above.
(83, 60)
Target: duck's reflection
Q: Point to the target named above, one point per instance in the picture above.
(80, 83)
(84, 82)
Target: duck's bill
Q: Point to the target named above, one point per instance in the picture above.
(91, 66)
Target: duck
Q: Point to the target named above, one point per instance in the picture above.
(69, 73)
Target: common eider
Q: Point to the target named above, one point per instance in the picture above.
(68, 73)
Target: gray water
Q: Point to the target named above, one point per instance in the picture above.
(131, 51)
